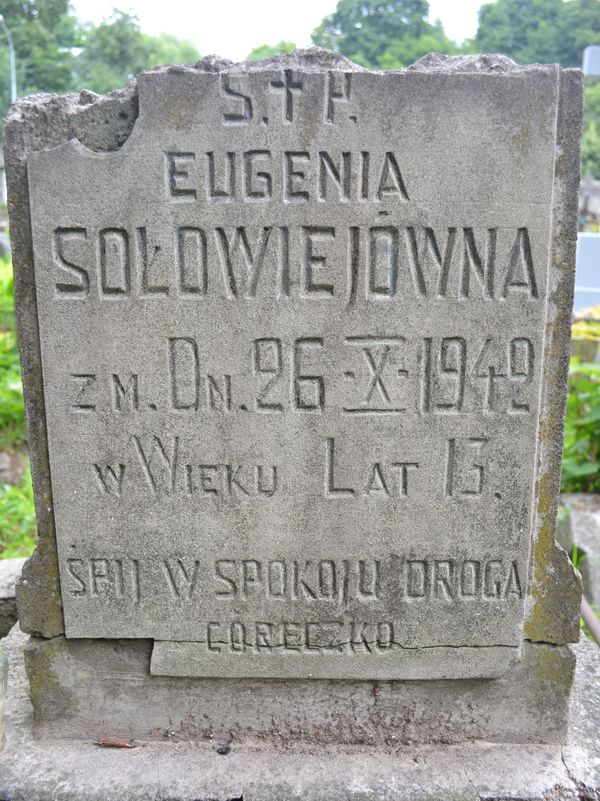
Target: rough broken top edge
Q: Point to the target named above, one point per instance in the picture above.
(494, 63)
(312, 59)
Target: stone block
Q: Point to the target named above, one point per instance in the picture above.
(224, 767)
(81, 688)
(10, 571)
(581, 528)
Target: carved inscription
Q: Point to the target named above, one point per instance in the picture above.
(293, 361)
(381, 263)
(335, 582)
(373, 375)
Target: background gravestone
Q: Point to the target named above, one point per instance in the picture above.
(295, 340)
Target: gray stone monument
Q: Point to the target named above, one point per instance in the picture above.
(295, 338)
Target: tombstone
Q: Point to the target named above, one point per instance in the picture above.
(295, 337)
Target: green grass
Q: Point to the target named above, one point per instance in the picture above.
(12, 413)
(7, 296)
(581, 458)
(17, 516)
(578, 557)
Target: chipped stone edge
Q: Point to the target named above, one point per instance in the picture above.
(76, 105)
(44, 121)
(553, 604)
(41, 122)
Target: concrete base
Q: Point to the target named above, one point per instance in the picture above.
(52, 769)
(81, 687)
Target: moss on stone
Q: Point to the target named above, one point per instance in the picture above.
(48, 694)
(555, 584)
(552, 664)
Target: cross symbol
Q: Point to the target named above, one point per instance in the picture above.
(289, 86)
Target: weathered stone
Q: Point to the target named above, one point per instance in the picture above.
(581, 529)
(81, 688)
(583, 763)
(554, 593)
(101, 123)
(297, 410)
(10, 570)
(57, 769)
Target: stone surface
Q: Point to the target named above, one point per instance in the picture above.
(554, 597)
(56, 769)
(79, 687)
(100, 123)
(196, 659)
(294, 360)
(581, 528)
(582, 762)
(586, 535)
(10, 571)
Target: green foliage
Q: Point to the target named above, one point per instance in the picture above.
(47, 36)
(581, 459)
(43, 32)
(521, 29)
(17, 515)
(590, 156)
(579, 26)
(588, 330)
(390, 35)
(268, 51)
(590, 148)
(381, 34)
(403, 52)
(577, 555)
(116, 50)
(168, 49)
(113, 52)
(12, 414)
(7, 292)
(532, 31)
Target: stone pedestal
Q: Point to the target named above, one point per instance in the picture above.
(56, 768)
(82, 687)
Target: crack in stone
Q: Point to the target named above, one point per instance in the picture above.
(584, 793)
(551, 644)
(470, 782)
(337, 646)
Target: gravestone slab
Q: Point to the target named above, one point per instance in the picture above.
(303, 332)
